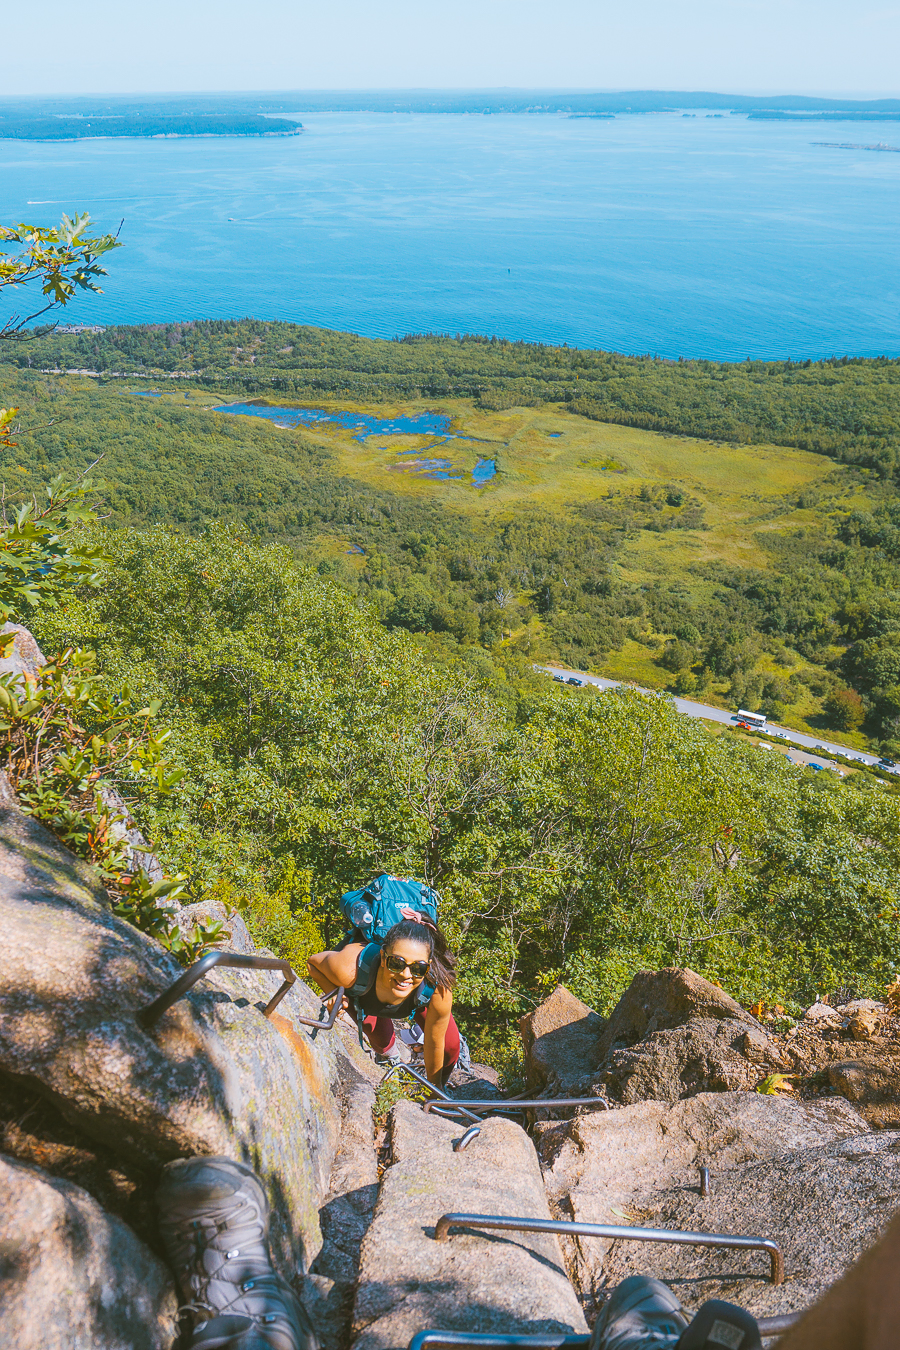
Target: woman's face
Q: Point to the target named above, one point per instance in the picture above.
(403, 982)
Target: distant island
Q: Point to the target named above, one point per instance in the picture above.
(855, 145)
(881, 114)
(75, 116)
(90, 126)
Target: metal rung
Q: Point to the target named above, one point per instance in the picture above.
(459, 1340)
(485, 1105)
(438, 1092)
(149, 1016)
(451, 1340)
(616, 1231)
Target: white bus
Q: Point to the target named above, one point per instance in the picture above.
(754, 719)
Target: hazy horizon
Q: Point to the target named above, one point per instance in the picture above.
(820, 48)
(855, 95)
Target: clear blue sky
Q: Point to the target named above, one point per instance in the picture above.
(748, 46)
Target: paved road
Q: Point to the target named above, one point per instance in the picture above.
(710, 714)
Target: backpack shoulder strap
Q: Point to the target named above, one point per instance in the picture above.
(366, 971)
(423, 998)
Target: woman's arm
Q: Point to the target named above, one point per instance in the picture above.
(437, 1019)
(331, 970)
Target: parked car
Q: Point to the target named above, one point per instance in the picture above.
(573, 679)
(887, 763)
(560, 679)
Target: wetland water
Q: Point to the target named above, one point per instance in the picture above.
(685, 236)
(434, 426)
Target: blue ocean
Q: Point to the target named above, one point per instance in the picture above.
(694, 236)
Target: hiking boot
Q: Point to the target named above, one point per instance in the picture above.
(394, 1057)
(641, 1313)
(721, 1326)
(214, 1220)
(234, 1332)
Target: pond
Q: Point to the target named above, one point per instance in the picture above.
(436, 426)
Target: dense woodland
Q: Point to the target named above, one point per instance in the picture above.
(821, 622)
(571, 838)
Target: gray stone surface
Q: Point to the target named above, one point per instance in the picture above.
(703, 1055)
(870, 1078)
(24, 657)
(613, 1167)
(473, 1282)
(824, 1206)
(345, 1217)
(236, 935)
(73, 1277)
(561, 1040)
(658, 1000)
(213, 1077)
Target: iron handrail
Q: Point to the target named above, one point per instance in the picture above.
(487, 1104)
(471, 1133)
(616, 1231)
(489, 1340)
(456, 1340)
(438, 1092)
(150, 1015)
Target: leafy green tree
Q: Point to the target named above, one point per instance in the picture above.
(844, 709)
(62, 260)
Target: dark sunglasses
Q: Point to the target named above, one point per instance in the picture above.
(417, 969)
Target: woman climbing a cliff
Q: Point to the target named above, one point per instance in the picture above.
(408, 976)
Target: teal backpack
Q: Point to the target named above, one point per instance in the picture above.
(371, 912)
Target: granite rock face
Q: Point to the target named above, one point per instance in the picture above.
(825, 1206)
(345, 1217)
(73, 1277)
(213, 1076)
(24, 656)
(702, 1056)
(502, 1282)
(561, 1039)
(673, 1034)
(617, 1166)
(870, 1079)
(659, 1000)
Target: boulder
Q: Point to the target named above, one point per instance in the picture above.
(32, 1130)
(561, 1040)
(662, 999)
(871, 1081)
(236, 937)
(822, 1014)
(865, 1024)
(824, 1206)
(23, 656)
(479, 1082)
(481, 1282)
(213, 1076)
(702, 1056)
(611, 1167)
(73, 1277)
